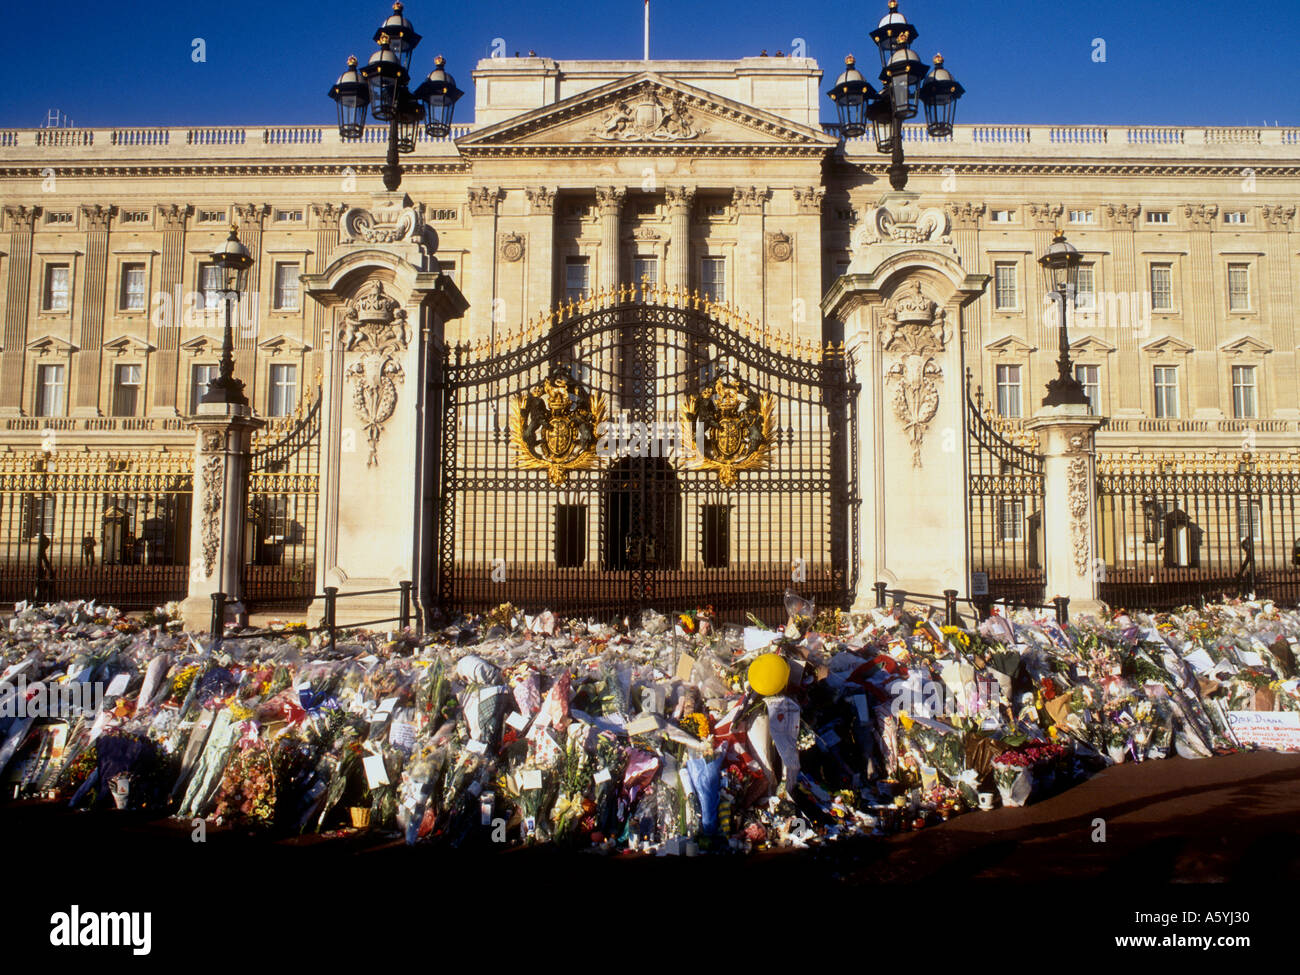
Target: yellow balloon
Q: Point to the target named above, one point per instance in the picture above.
(769, 674)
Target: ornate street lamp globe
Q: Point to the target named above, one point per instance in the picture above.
(881, 115)
(903, 76)
(353, 96)
(402, 37)
(1061, 265)
(439, 95)
(233, 260)
(939, 95)
(386, 76)
(889, 35)
(852, 95)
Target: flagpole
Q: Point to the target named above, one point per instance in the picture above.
(647, 30)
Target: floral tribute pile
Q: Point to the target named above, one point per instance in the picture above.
(678, 736)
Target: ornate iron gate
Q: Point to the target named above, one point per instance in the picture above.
(1006, 507)
(280, 533)
(626, 453)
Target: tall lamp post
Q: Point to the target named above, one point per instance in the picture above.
(382, 88)
(232, 260)
(1061, 266)
(903, 85)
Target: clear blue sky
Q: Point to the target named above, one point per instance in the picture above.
(1167, 61)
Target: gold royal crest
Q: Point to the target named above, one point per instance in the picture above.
(553, 427)
(728, 428)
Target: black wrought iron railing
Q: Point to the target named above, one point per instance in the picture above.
(329, 621)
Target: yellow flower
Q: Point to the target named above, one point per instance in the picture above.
(905, 721)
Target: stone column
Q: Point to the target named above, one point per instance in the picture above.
(85, 385)
(1066, 439)
(20, 222)
(1128, 360)
(168, 357)
(1045, 218)
(1199, 310)
(677, 272)
(609, 204)
(540, 254)
(224, 433)
(327, 238)
(966, 218)
(748, 202)
(1282, 307)
(482, 269)
(807, 227)
(903, 305)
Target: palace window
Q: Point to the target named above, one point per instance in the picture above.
(1005, 294)
(1234, 216)
(715, 535)
(135, 216)
(1088, 377)
(1008, 382)
(200, 376)
(1166, 391)
(283, 394)
(212, 216)
(1085, 295)
(1002, 216)
(288, 216)
(1250, 518)
(286, 286)
(1083, 216)
(38, 515)
(1238, 287)
(713, 278)
(570, 535)
(132, 296)
(443, 216)
(1157, 216)
(645, 269)
(1011, 521)
(448, 268)
(577, 278)
(126, 389)
(1162, 287)
(1244, 402)
(58, 287)
(56, 217)
(50, 389)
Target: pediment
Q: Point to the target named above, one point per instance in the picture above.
(51, 345)
(128, 343)
(1167, 345)
(1246, 345)
(1008, 345)
(201, 345)
(284, 345)
(644, 113)
(1091, 345)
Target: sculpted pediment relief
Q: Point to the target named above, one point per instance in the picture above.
(645, 112)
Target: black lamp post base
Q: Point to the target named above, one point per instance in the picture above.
(1065, 391)
(898, 176)
(392, 178)
(226, 390)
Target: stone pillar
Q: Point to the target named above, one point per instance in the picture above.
(327, 238)
(20, 222)
(751, 258)
(224, 433)
(677, 272)
(85, 385)
(539, 292)
(1282, 310)
(966, 219)
(482, 268)
(381, 429)
(1199, 310)
(1128, 360)
(903, 304)
(807, 230)
(1066, 439)
(609, 204)
(168, 357)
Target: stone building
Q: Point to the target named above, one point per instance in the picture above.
(716, 177)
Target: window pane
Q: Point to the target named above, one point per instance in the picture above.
(286, 286)
(1085, 297)
(1238, 287)
(57, 287)
(1004, 286)
(126, 390)
(284, 390)
(210, 286)
(713, 274)
(1166, 391)
(1008, 382)
(645, 269)
(133, 287)
(200, 376)
(1162, 287)
(49, 391)
(1088, 378)
(1243, 392)
(576, 278)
